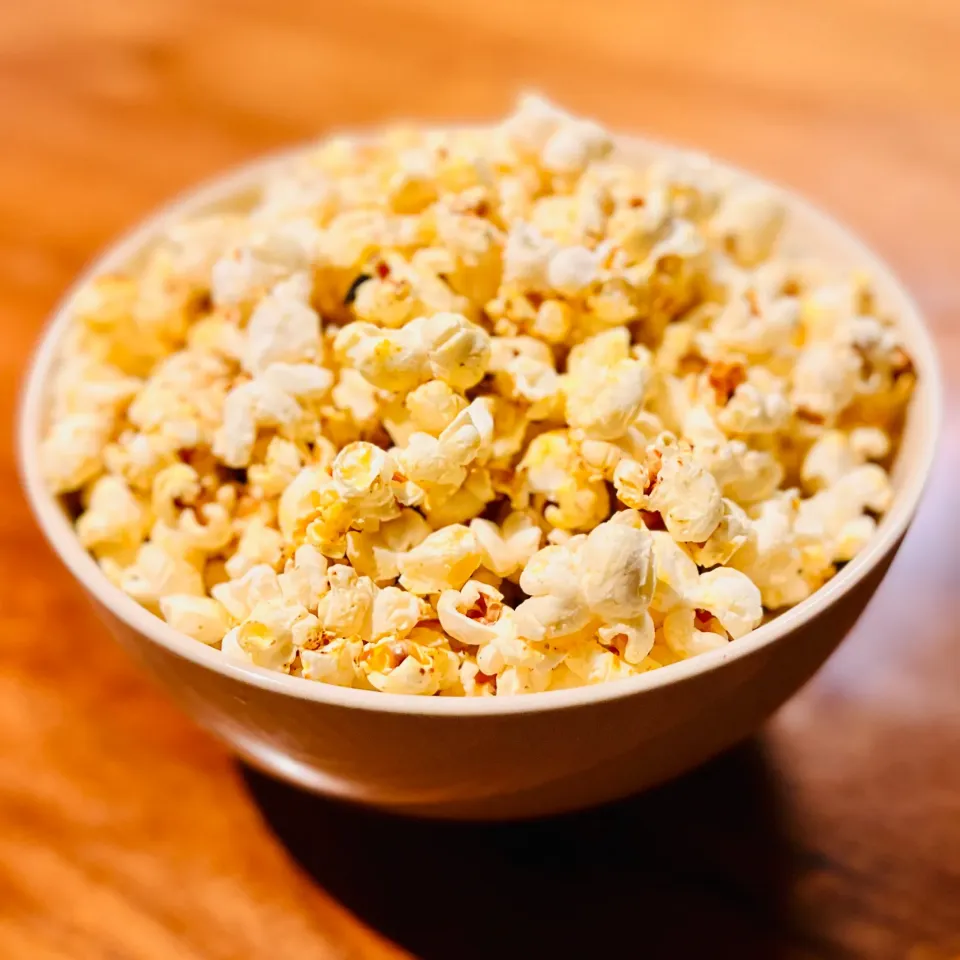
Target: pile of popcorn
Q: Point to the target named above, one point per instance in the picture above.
(476, 412)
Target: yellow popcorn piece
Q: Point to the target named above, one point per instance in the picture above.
(72, 451)
(304, 579)
(748, 223)
(259, 584)
(337, 662)
(199, 617)
(443, 560)
(605, 404)
(345, 610)
(457, 351)
(156, 574)
(618, 571)
(115, 521)
(376, 554)
(395, 613)
(265, 638)
(281, 464)
(433, 406)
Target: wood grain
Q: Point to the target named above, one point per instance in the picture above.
(127, 833)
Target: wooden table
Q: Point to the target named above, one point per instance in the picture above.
(125, 832)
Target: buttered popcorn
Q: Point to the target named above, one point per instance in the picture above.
(477, 413)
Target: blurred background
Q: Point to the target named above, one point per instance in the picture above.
(127, 833)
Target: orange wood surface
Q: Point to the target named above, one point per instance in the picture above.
(125, 832)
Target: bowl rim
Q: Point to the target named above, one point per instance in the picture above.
(218, 190)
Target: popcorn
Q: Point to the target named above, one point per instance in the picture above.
(632, 639)
(835, 454)
(618, 578)
(507, 548)
(394, 294)
(744, 475)
(572, 270)
(265, 638)
(591, 664)
(138, 457)
(298, 500)
(827, 515)
(748, 223)
(731, 533)
(778, 559)
(752, 325)
(281, 465)
(575, 220)
(441, 507)
(72, 451)
(606, 576)
(479, 412)
(754, 410)
(257, 264)
(259, 584)
(457, 351)
(732, 598)
(337, 662)
(249, 407)
(345, 610)
(723, 600)
(526, 257)
(396, 613)
(282, 328)
(443, 560)
(172, 487)
(155, 574)
(433, 406)
(533, 124)
(574, 145)
(475, 682)
(363, 478)
(689, 184)
(604, 405)
(114, 522)
(470, 614)
(391, 360)
(687, 496)
(304, 579)
(258, 544)
(196, 539)
(524, 370)
(553, 322)
(376, 554)
(824, 380)
(443, 462)
(468, 255)
(552, 468)
(411, 668)
(413, 187)
(445, 346)
(199, 617)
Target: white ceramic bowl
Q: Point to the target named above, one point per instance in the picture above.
(501, 757)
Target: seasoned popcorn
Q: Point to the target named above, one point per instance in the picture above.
(477, 413)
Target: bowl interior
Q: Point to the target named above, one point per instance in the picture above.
(808, 233)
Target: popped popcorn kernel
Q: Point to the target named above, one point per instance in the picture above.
(507, 548)
(470, 614)
(115, 521)
(479, 412)
(443, 560)
(199, 617)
